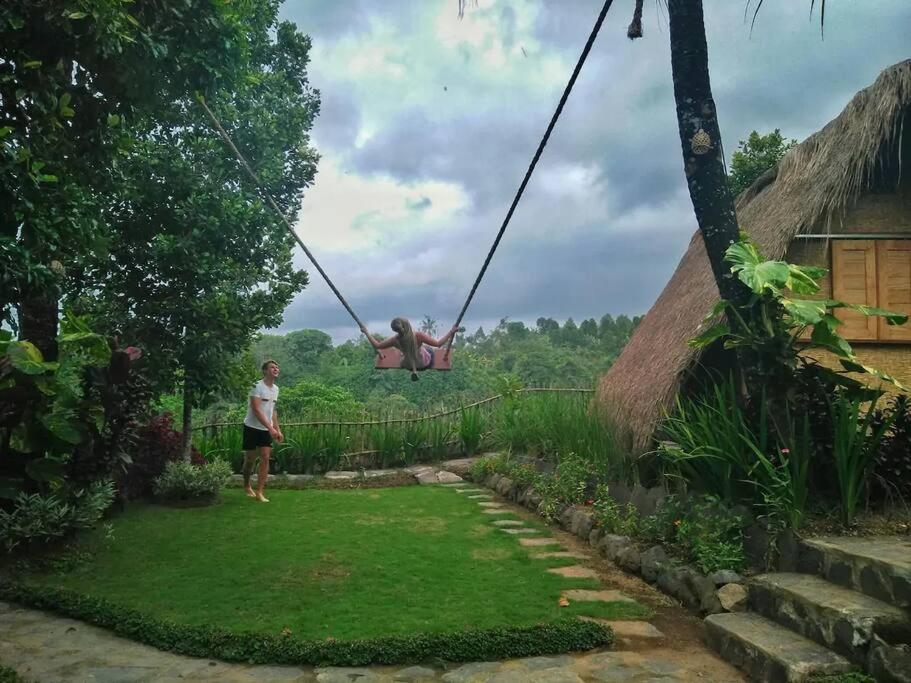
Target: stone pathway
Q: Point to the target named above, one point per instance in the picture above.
(45, 648)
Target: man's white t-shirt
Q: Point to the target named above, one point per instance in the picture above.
(268, 396)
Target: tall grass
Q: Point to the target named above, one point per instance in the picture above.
(534, 423)
(556, 425)
(857, 437)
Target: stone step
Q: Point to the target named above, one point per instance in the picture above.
(836, 617)
(879, 566)
(768, 652)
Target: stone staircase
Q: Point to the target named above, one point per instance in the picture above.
(847, 607)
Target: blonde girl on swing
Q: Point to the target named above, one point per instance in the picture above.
(417, 347)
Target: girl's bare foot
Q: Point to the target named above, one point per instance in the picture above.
(261, 498)
(250, 493)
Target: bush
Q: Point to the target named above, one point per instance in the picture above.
(158, 443)
(567, 635)
(35, 517)
(892, 466)
(186, 481)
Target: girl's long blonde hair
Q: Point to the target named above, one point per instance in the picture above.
(408, 344)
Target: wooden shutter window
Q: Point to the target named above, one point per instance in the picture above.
(854, 282)
(893, 263)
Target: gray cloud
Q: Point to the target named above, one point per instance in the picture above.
(606, 218)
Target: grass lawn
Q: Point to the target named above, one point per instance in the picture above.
(339, 563)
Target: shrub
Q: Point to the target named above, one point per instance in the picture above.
(611, 517)
(186, 481)
(567, 485)
(710, 535)
(42, 518)
(158, 443)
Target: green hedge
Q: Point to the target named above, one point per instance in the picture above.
(201, 641)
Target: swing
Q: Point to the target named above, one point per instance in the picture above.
(391, 358)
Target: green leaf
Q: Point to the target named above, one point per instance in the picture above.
(113, 120)
(805, 311)
(803, 279)
(4, 131)
(824, 335)
(21, 440)
(64, 428)
(854, 366)
(33, 64)
(26, 358)
(710, 335)
(77, 15)
(45, 469)
(892, 318)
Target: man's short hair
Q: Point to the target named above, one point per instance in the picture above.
(267, 363)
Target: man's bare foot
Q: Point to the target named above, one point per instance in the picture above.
(261, 498)
(250, 493)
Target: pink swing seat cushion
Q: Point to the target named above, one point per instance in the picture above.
(391, 359)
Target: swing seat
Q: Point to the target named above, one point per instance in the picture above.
(391, 359)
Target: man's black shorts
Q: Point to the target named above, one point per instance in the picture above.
(255, 438)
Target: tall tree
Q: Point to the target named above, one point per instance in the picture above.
(197, 261)
(70, 71)
(756, 155)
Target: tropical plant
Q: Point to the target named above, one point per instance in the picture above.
(858, 435)
(37, 517)
(769, 326)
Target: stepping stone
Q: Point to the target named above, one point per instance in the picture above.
(581, 595)
(629, 630)
(508, 522)
(769, 652)
(456, 485)
(574, 572)
(341, 475)
(445, 477)
(559, 553)
(490, 504)
(538, 541)
(520, 531)
(483, 496)
(496, 512)
(461, 489)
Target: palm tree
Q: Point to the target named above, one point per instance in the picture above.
(700, 136)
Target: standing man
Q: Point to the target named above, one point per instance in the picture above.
(260, 427)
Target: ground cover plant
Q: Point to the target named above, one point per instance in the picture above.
(324, 564)
(698, 529)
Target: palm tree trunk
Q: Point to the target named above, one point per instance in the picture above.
(700, 137)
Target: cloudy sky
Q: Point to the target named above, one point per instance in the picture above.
(428, 123)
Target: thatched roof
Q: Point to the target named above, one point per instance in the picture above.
(810, 189)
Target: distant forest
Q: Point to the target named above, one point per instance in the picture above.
(549, 354)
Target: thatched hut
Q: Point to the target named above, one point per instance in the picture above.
(839, 200)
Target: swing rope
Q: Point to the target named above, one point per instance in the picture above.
(515, 202)
(271, 202)
(534, 161)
